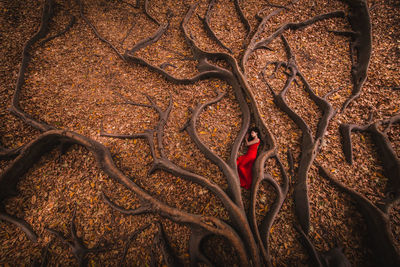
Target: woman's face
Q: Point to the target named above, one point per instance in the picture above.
(253, 134)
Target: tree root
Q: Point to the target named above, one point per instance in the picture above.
(7, 154)
(77, 247)
(67, 28)
(333, 257)
(297, 26)
(146, 11)
(196, 238)
(22, 224)
(47, 14)
(360, 47)
(127, 34)
(378, 225)
(81, 10)
(263, 230)
(129, 241)
(386, 153)
(44, 258)
(242, 17)
(309, 144)
(161, 242)
(206, 23)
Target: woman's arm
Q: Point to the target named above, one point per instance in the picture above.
(252, 142)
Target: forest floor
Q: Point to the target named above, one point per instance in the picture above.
(76, 82)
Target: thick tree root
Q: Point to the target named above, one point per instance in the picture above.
(254, 45)
(15, 172)
(386, 153)
(262, 231)
(309, 145)
(378, 225)
(333, 257)
(360, 47)
(196, 256)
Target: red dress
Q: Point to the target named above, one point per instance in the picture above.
(245, 166)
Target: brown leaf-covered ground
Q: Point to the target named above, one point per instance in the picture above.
(75, 82)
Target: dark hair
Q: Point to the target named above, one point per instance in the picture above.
(253, 129)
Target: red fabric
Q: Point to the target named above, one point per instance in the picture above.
(245, 166)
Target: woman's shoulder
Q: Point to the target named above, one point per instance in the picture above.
(257, 143)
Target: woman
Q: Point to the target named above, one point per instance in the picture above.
(245, 162)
